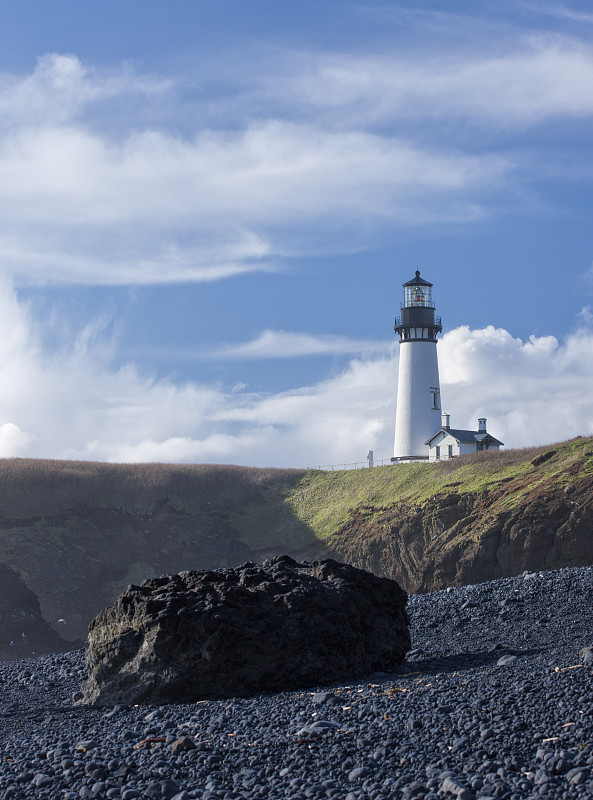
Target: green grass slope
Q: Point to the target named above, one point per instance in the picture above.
(324, 501)
(467, 520)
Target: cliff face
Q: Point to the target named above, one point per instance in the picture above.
(457, 538)
(79, 560)
(23, 631)
(80, 532)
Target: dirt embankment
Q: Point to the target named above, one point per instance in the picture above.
(460, 538)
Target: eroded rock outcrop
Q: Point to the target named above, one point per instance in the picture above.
(458, 538)
(23, 631)
(276, 626)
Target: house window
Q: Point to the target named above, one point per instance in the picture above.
(438, 451)
(450, 451)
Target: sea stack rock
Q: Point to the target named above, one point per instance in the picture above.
(23, 631)
(267, 627)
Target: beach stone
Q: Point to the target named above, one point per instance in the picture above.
(276, 626)
(183, 744)
(40, 780)
(325, 698)
(357, 773)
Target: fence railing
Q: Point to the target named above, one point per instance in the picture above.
(353, 465)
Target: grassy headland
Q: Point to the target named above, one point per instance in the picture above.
(79, 532)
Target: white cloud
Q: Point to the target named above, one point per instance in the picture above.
(13, 442)
(87, 202)
(561, 12)
(290, 344)
(532, 392)
(268, 172)
(508, 82)
(90, 195)
(95, 258)
(154, 208)
(73, 404)
(61, 87)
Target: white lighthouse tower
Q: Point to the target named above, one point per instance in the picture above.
(418, 414)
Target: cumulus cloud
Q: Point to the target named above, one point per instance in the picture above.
(532, 392)
(74, 404)
(13, 442)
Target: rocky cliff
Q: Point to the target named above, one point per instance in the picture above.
(23, 631)
(538, 519)
(80, 532)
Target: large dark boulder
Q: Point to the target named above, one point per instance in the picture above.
(276, 626)
(23, 631)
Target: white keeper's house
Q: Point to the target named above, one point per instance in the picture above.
(450, 442)
(418, 415)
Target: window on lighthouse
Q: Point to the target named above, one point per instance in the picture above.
(417, 297)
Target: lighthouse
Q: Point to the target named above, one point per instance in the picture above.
(418, 413)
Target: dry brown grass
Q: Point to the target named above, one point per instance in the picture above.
(33, 487)
(42, 487)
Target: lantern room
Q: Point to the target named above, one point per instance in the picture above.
(417, 293)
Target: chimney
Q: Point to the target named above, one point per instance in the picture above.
(482, 425)
(445, 421)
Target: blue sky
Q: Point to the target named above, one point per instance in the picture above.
(208, 209)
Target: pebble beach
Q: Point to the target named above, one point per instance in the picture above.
(494, 701)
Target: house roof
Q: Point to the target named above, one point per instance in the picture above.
(467, 437)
